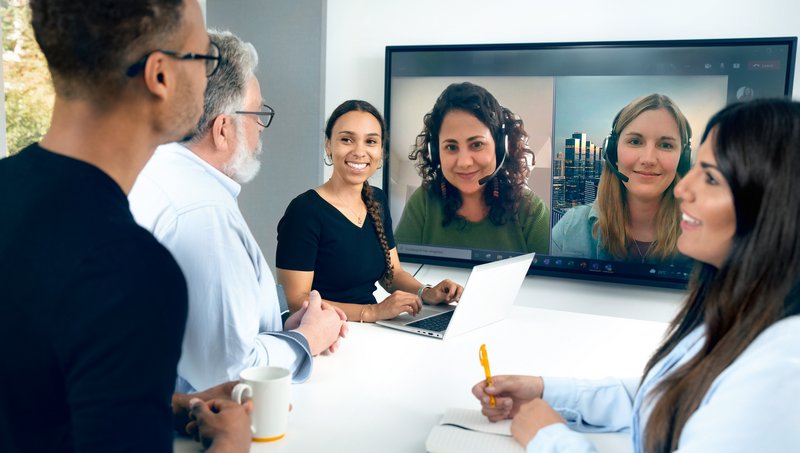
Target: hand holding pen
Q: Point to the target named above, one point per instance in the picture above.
(502, 396)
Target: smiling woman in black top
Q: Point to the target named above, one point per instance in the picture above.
(338, 238)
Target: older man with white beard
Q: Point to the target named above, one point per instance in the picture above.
(186, 196)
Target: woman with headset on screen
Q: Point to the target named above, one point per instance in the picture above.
(338, 239)
(726, 376)
(635, 216)
(473, 159)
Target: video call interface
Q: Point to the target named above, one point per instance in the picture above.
(567, 97)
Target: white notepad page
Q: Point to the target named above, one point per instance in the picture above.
(467, 430)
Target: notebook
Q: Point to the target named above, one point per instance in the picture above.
(467, 430)
(488, 295)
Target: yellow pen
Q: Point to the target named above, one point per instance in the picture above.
(484, 357)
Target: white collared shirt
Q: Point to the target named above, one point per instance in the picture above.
(234, 318)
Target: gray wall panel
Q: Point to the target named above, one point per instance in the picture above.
(290, 40)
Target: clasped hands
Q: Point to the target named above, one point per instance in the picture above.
(520, 399)
(321, 323)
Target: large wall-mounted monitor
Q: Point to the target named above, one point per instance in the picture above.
(568, 94)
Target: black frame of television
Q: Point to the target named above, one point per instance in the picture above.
(470, 61)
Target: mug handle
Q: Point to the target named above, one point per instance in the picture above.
(241, 392)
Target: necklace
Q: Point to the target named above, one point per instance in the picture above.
(646, 252)
(359, 220)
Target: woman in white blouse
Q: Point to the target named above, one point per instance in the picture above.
(727, 377)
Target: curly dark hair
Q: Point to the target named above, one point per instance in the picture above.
(373, 207)
(510, 180)
(88, 44)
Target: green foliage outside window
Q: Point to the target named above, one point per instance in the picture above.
(28, 88)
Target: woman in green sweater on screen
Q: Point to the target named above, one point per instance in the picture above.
(473, 158)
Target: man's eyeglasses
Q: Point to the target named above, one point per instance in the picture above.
(264, 117)
(211, 59)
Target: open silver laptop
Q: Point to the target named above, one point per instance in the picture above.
(488, 295)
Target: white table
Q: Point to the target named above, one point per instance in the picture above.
(385, 389)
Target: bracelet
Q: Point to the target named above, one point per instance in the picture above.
(420, 290)
(361, 316)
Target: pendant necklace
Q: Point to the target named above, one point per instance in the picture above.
(358, 217)
(646, 252)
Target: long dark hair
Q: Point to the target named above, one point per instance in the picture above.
(757, 148)
(511, 180)
(373, 207)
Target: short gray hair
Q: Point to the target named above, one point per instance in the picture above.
(226, 87)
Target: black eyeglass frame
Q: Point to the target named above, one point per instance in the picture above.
(270, 114)
(139, 65)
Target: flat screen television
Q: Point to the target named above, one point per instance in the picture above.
(567, 95)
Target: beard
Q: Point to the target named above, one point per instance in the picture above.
(244, 164)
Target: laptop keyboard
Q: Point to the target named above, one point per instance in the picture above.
(436, 323)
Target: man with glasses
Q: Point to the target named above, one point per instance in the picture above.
(93, 306)
(211, 59)
(186, 196)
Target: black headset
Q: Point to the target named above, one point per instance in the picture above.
(500, 150)
(610, 151)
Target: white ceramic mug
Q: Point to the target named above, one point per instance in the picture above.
(269, 387)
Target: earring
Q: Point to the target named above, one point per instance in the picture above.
(496, 189)
(437, 172)
(327, 159)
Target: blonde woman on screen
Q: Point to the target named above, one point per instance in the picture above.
(635, 216)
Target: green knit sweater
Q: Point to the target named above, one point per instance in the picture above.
(421, 223)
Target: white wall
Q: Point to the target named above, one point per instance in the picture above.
(359, 30)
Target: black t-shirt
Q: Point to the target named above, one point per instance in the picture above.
(93, 311)
(346, 260)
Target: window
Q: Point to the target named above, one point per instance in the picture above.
(28, 100)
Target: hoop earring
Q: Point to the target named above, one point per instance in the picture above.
(327, 159)
(496, 189)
